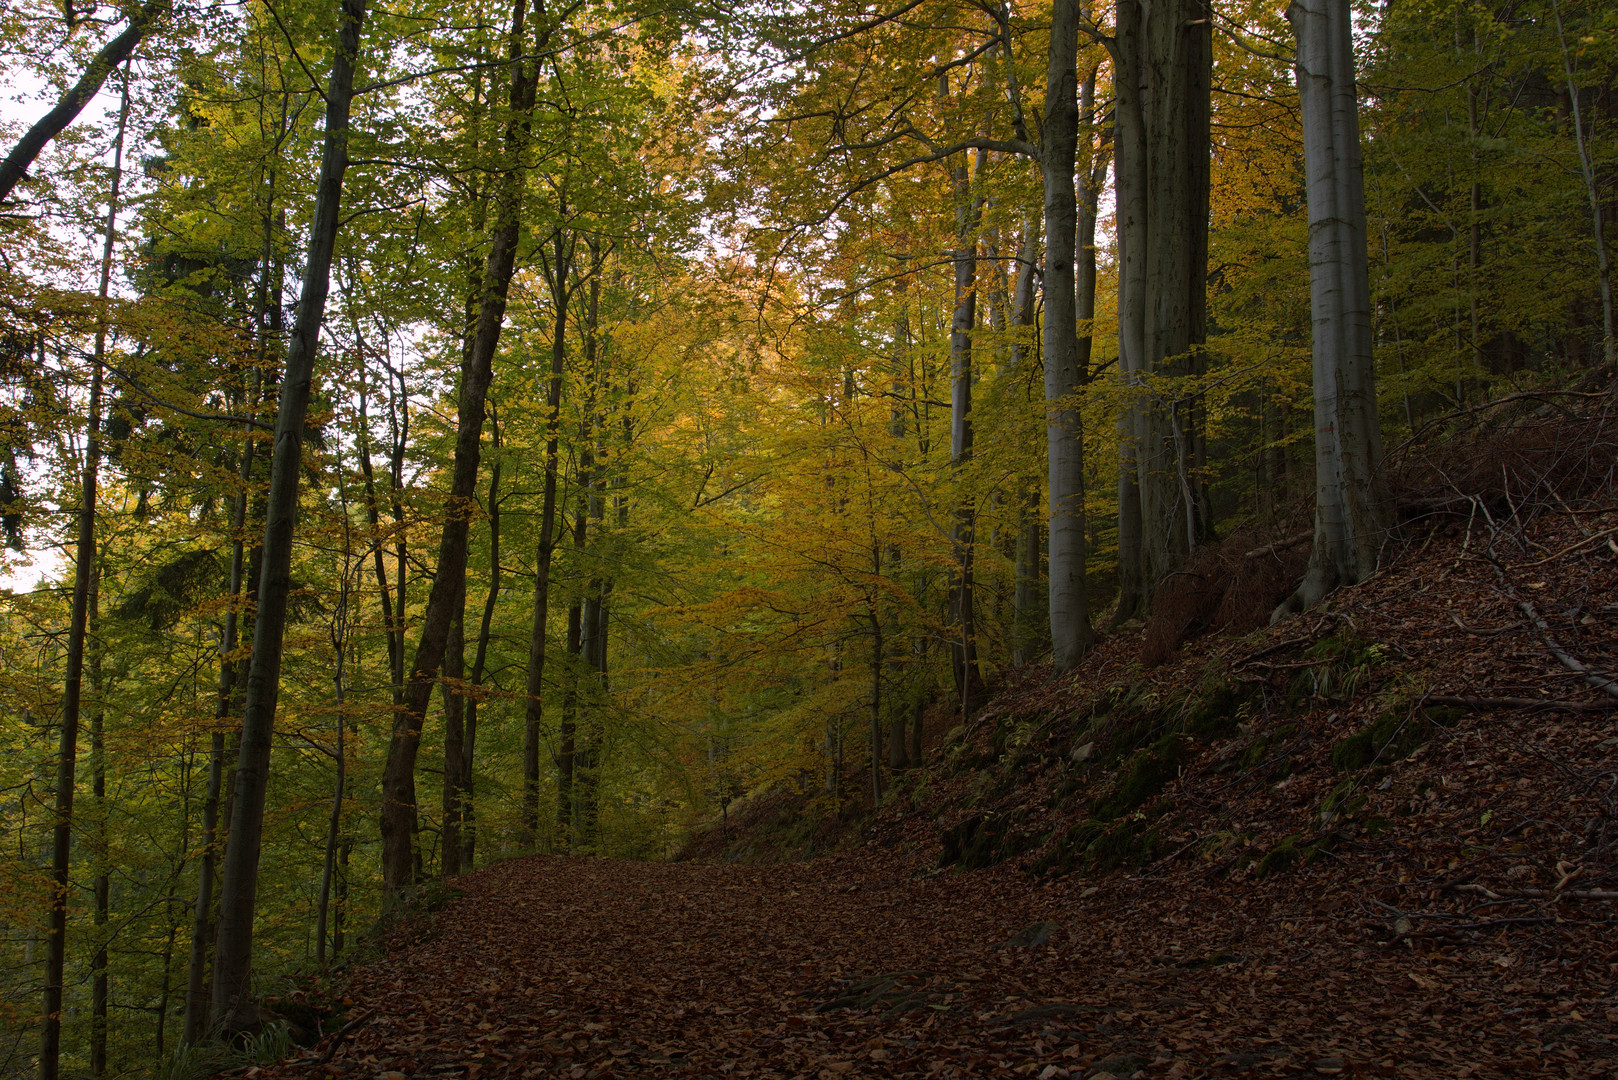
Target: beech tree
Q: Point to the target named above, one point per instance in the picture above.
(1352, 506)
(233, 1005)
(1163, 65)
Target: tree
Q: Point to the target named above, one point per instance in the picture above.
(1352, 506)
(84, 570)
(448, 592)
(142, 21)
(1163, 63)
(233, 1004)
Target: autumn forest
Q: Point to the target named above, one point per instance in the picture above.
(439, 434)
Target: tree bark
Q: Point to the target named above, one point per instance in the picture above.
(1587, 170)
(1352, 505)
(99, 981)
(1027, 620)
(233, 1005)
(963, 322)
(454, 740)
(1071, 632)
(399, 778)
(1162, 58)
(534, 706)
(334, 821)
(469, 746)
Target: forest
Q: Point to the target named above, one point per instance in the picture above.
(443, 434)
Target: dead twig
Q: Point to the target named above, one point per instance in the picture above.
(1570, 549)
(341, 1035)
(1572, 663)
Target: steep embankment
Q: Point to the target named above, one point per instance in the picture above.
(1380, 839)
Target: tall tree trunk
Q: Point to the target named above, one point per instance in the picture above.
(469, 745)
(534, 705)
(454, 740)
(334, 822)
(50, 1045)
(963, 322)
(195, 1024)
(1071, 633)
(392, 627)
(99, 982)
(1162, 58)
(1352, 505)
(1026, 619)
(399, 774)
(233, 1005)
(1592, 188)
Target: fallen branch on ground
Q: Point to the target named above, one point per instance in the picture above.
(1480, 704)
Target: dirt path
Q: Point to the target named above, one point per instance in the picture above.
(593, 968)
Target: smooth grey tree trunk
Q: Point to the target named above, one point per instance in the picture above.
(1071, 632)
(1162, 58)
(1587, 170)
(233, 1005)
(1351, 498)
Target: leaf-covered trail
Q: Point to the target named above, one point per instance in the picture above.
(576, 968)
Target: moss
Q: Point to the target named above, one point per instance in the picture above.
(985, 839)
(1145, 774)
(1342, 801)
(1217, 708)
(1344, 660)
(1394, 734)
(1129, 843)
(1282, 857)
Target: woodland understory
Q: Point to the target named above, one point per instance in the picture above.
(939, 538)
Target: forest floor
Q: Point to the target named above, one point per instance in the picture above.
(1393, 853)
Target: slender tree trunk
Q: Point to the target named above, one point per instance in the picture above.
(99, 983)
(572, 762)
(1351, 498)
(469, 746)
(233, 1004)
(1071, 633)
(334, 822)
(392, 627)
(533, 713)
(963, 322)
(454, 740)
(195, 1024)
(398, 778)
(50, 1048)
(1027, 619)
(1587, 169)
